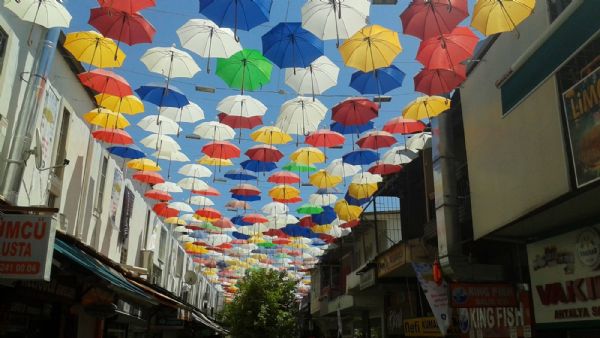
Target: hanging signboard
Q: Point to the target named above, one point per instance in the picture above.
(436, 294)
(421, 327)
(582, 106)
(565, 277)
(26, 246)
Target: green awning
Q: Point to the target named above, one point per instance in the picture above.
(101, 270)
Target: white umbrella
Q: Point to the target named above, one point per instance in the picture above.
(338, 168)
(46, 13)
(201, 200)
(241, 105)
(186, 239)
(190, 113)
(322, 199)
(160, 142)
(171, 156)
(301, 115)
(190, 183)
(217, 239)
(399, 155)
(280, 221)
(188, 218)
(170, 62)
(337, 19)
(182, 229)
(419, 141)
(206, 39)
(254, 229)
(366, 178)
(181, 207)
(275, 208)
(159, 125)
(315, 79)
(215, 131)
(195, 170)
(167, 187)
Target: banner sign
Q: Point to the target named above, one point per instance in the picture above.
(27, 246)
(115, 196)
(473, 295)
(565, 276)
(582, 106)
(421, 327)
(436, 294)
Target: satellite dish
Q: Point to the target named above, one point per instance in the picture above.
(37, 151)
(190, 277)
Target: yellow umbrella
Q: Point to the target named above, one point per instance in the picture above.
(284, 192)
(497, 16)
(174, 220)
(347, 212)
(308, 155)
(143, 164)
(426, 107)
(106, 119)
(322, 229)
(370, 48)
(270, 135)
(360, 191)
(221, 162)
(196, 249)
(93, 48)
(129, 105)
(256, 239)
(204, 219)
(252, 261)
(298, 245)
(321, 179)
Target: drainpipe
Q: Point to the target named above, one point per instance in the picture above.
(453, 262)
(35, 95)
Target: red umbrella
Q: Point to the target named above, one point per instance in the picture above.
(384, 168)
(245, 189)
(264, 153)
(284, 177)
(327, 238)
(129, 6)
(325, 138)
(149, 177)
(106, 82)
(158, 195)
(289, 200)
(255, 218)
(447, 50)
(440, 81)
(235, 205)
(163, 210)
(306, 222)
(207, 192)
(355, 111)
(276, 233)
(376, 140)
(112, 136)
(225, 246)
(129, 28)
(223, 223)
(282, 241)
(239, 241)
(429, 18)
(240, 122)
(208, 213)
(350, 224)
(400, 125)
(221, 150)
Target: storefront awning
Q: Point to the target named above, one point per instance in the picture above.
(116, 281)
(202, 318)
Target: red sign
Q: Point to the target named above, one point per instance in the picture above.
(26, 246)
(471, 295)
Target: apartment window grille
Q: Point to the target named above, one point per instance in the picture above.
(102, 185)
(3, 45)
(162, 245)
(63, 133)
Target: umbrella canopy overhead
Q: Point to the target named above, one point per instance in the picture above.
(371, 48)
(315, 79)
(170, 62)
(237, 14)
(331, 20)
(247, 69)
(46, 13)
(94, 49)
(289, 45)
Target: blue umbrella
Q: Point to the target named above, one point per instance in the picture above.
(265, 251)
(355, 201)
(198, 234)
(289, 45)
(298, 231)
(323, 191)
(258, 166)
(130, 152)
(245, 198)
(318, 242)
(162, 95)
(239, 235)
(346, 130)
(326, 217)
(240, 175)
(239, 220)
(360, 157)
(221, 264)
(379, 81)
(242, 14)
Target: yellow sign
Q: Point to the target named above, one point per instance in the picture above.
(421, 327)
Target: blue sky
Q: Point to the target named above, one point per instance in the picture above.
(171, 14)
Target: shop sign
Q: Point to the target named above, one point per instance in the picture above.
(53, 288)
(391, 260)
(581, 106)
(26, 246)
(436, 294)
(565, 277)
(473, 295)
(421, 327)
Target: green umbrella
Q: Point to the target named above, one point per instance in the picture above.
(247, 69)
(310, 209)
(299, 168)
(208, 226)
(266, 245)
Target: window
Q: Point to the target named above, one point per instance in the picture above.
(179, 262)
(123, 259)
(102, 185)
(61, 151)
(162, 247)
(3, 43)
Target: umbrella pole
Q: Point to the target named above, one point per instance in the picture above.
(235, 22)
(120, 35)
(94, 54)
(312, 82)
(337, 30)
(210, 37)
(37, 11)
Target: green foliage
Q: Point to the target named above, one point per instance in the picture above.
(264, 306)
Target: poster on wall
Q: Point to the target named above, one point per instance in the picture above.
(436, 294)
(50, 115)
(565, 277)
(582, 110)
(115, 196)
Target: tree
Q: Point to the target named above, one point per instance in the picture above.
(264, 306)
